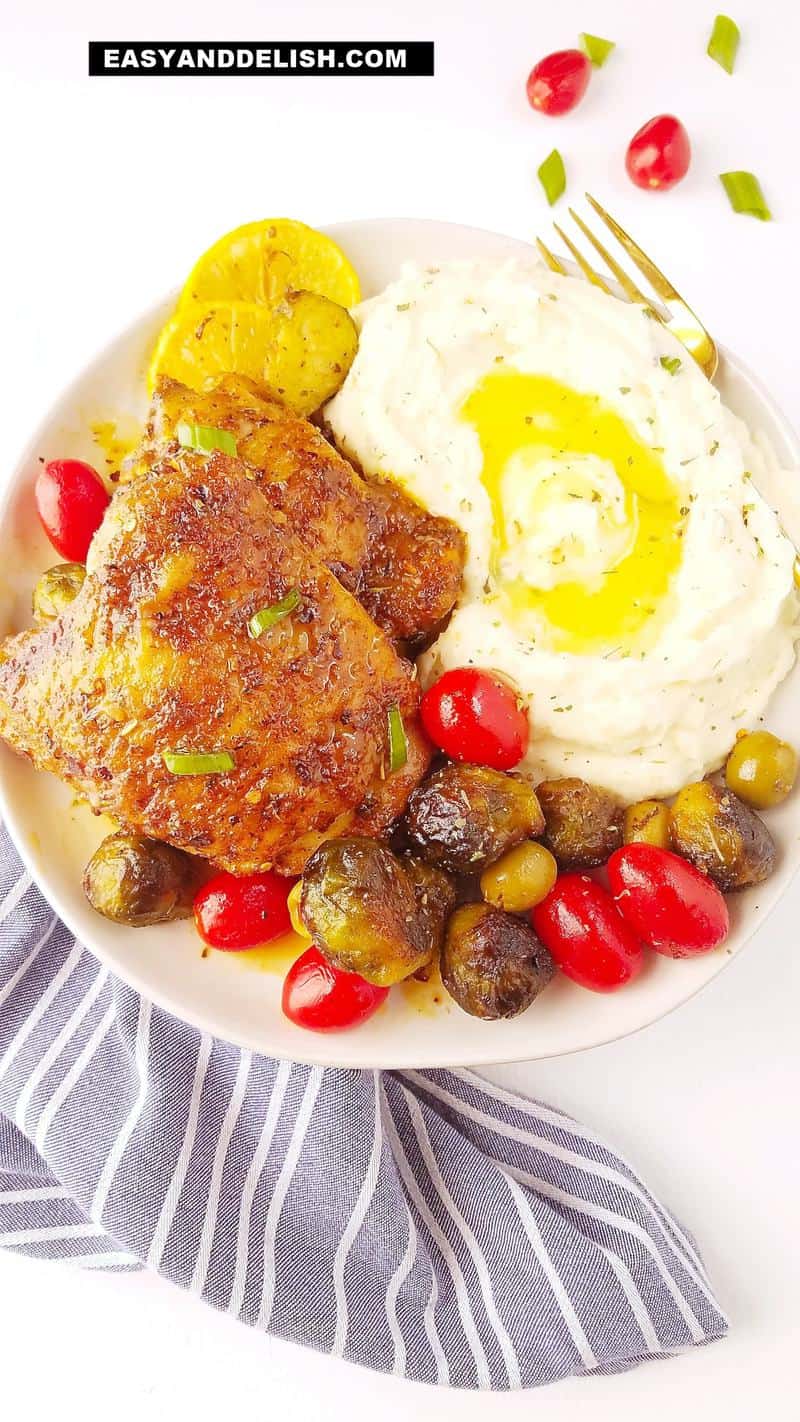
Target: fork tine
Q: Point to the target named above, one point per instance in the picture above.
(552, 260)
(626, 282)
(640, 259)
(674, 314)
(586, 267)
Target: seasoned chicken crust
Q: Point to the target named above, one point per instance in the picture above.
(154, 655)
(403, 564)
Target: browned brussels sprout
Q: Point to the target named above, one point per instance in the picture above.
(56, 589)
(435, 894)
(648, 822)
(492, 963)
(466, 816)
(583, 825)
(722, 836)
(141, 881)
(359, 904)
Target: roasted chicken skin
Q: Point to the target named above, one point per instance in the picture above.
(154, 655)
(403, 564)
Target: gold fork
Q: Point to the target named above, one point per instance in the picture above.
(673, 312)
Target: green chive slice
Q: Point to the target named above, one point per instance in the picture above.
(745, 195)
(724, 42)
(205, 438)
(671, 363)
(268, 616)
(398, 741)
(198, 762)
(596, 49)
(552, 176)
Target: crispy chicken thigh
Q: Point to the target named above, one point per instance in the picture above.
(154, 655)
(404, 565)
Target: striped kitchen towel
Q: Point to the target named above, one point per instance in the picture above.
(427, 1224)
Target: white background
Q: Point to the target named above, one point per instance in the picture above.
(111, 188)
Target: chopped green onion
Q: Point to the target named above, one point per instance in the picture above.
(596, 49)
(724, 42)
(268, 616)
(205, 438)
(745, 195)
(398, 742)
(671, 363)
(552, 176)
(198, 762)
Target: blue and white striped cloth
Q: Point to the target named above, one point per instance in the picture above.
(427, 1224)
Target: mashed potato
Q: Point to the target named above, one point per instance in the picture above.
(622, 569)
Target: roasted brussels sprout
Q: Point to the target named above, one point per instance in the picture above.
(56, 589)
(435, 894)
(359, 904)
(723, 837)
(521, 879)
(465, 816)
(492, 963)
(648, 822)
(583, 825)
(761, 769)
(141, 881)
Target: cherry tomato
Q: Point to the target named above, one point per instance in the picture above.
(70, 501)
(474, 716)
(578, 922)
(322, 998)
(659, 154)
(670, 904)
(232, 913)
(558, 82)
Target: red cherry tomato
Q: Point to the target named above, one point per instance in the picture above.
(322, 998)
(579, 923)
(670, 904)
(558, 82)
(233, 913)
(659, 154)
(70, 501)
(474, 716)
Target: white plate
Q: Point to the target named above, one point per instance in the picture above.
(227, 994)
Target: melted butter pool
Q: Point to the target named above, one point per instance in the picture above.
(587, 523)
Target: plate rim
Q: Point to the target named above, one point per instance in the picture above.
(204, 1021)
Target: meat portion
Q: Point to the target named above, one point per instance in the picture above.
(404, 565)
(154, 655)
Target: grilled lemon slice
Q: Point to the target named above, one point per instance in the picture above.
(262, 260)
(302, 347)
